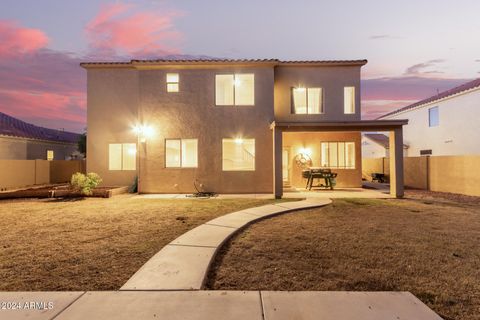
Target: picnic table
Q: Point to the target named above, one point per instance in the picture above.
(327, 175)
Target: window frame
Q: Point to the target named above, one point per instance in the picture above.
(345, 143)
(292, 100)
(234, 74)
(430, 122)
(123, 145)
(254, 156)
(353, 99)
(181, 166)
(172, 82)
(53, 154)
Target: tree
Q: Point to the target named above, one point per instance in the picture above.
(82, 143)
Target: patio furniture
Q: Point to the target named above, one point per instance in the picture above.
(380, 177)
(318, 173)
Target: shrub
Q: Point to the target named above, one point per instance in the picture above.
(85, 183)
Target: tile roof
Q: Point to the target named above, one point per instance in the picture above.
(461, 88)
(380, 139)
(134, 62)
(10, 126)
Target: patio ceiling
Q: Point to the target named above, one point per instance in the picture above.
(359, 125)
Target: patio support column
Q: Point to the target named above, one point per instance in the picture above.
(396, 162)
(277, 163)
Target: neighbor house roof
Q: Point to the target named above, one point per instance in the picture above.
(273, 62)
(10, 126)
(442, 95)
(381, 139)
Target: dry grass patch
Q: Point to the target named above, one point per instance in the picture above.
(427, 244)
(93, 244)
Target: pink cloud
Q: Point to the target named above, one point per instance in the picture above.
(120, 29)
(15, 39)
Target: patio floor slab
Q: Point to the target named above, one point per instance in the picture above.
(173, 268)
(35, 305)
(334, 305)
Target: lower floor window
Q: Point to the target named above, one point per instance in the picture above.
(50, 155)
(238, 154)
(122, 156)
(338, 155)
(181, 153)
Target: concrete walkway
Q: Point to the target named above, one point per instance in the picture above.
(228, 305)
(183, 264)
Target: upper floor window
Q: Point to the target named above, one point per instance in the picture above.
(307, 100)
(238, 154)
(349, 100)
(338, 155)
(433, 117)
(235, 89)
(173, 82)
(181, 153)
(121, 156)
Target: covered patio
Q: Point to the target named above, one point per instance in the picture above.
(394, 127)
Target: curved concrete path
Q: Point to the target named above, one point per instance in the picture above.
(183, 264)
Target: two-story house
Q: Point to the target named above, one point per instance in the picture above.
(230, 126)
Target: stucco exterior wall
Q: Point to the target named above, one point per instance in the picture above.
(295, 141)
(121, 97)
(192, 114)
(16, 148)
(372, 149)
(458, 130)
(112, 99)
(21, 173)
(331, 79)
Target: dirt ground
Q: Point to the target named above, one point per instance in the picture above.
(428, 244)
(93, 244)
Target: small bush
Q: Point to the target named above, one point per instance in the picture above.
(85, 183)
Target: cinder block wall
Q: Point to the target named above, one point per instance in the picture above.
(456, 174)
(22, 173)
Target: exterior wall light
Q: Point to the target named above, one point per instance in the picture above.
(306, 151)
(143, 132)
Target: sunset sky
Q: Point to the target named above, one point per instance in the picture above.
(414, 48)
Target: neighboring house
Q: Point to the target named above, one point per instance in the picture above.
(444, 124)
(376, 145)
(24, 141)
(230, 126)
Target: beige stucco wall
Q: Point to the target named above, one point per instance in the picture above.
(457, 174)
(332, 79)
(62, 171)
(15, 148)
(192, 114)
(112, 98)
(295, 141)
(21, 173)
(119, 98)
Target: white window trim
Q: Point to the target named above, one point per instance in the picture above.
(240, 170)
(345, 158)
(234, 78)
(353, 100)
(181, 166)
(322, 100)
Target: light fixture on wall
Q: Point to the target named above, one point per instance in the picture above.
(143, 132)
(239, 141)
(306, 151)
